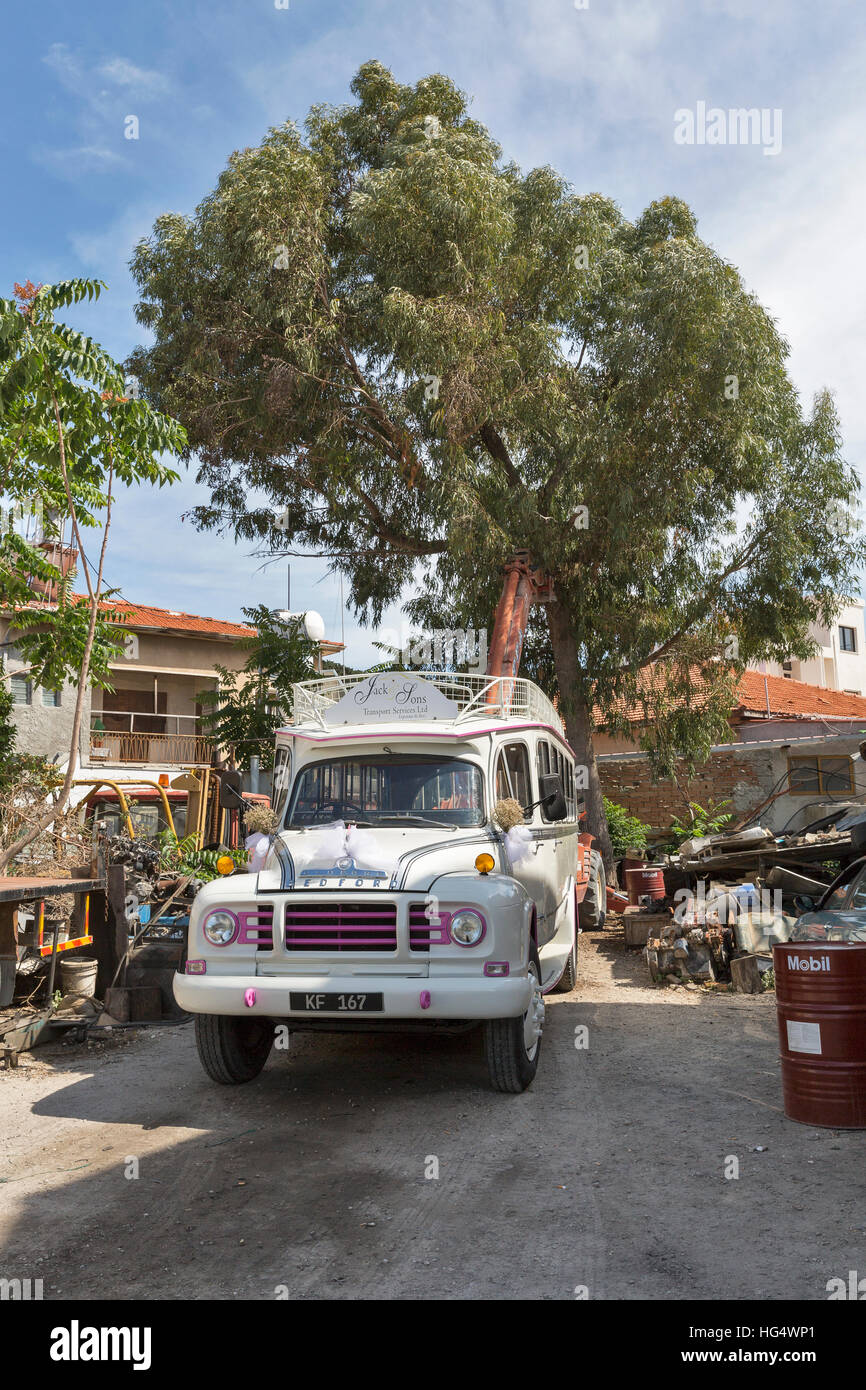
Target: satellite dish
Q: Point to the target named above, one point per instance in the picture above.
(311, 623)
(314, 626)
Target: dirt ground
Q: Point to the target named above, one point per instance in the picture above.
(607, 1177)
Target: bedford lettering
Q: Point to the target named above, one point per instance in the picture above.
(75, 1343)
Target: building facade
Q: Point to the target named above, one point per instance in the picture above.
(152, 716)
(792, 757)
(151, 719)
(839, 661)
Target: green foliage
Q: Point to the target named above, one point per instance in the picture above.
(251, 704)
(626, 831)
(180, 856)
(27, 785)
(704, 820)
(56, 382)
(8, 732)
(426, 359)
(30, 775)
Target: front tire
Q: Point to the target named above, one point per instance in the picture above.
(513, 1045)
(593, 910)
(233, 1050)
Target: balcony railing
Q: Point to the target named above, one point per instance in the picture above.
(158, 738)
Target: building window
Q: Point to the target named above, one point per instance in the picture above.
(848, 639)
(22, 690)
(787, 671)
(820, 776)
(51, 698)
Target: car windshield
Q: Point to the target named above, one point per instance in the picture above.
(148, 821)
(388, 789)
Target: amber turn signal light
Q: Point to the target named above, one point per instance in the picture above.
(225, 864)
(484, 863)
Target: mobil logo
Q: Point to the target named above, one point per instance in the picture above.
(808, 964)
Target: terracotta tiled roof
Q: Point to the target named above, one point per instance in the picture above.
(143, 615)
(796, 698)
(787, 699)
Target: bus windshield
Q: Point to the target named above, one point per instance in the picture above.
(382, 789)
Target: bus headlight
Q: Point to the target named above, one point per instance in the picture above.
(467, 927)
(220, 928)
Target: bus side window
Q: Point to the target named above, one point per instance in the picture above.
(503, 785)
(549, 761)
(517, 762)
(569, 788)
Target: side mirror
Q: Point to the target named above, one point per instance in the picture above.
(230, 790)
(552, 797)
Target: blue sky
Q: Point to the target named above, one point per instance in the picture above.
(592, 90)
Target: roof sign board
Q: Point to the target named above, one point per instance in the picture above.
(391, 698)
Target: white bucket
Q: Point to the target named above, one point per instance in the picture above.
(78, 977)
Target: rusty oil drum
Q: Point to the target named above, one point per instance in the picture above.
(648, 882)
(821, 1010)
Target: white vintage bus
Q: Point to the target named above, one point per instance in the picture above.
(390, 897)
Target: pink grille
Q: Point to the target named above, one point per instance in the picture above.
(339, 926)
(424, 932)
(256, 927)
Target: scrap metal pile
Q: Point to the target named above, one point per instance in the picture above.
(730, 898)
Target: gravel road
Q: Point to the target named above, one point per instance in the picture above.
(606, 1180)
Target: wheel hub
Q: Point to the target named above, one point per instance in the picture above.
(533, 1019)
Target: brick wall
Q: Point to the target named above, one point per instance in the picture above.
(742, 777)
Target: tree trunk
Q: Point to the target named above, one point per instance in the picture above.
(578, 728)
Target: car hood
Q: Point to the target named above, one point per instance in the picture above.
(399, 857)
(846, 925)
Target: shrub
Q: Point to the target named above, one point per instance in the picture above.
(625, 830)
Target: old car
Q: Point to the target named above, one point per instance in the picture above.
(392, 896)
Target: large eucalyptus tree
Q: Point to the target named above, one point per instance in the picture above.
(425, 359)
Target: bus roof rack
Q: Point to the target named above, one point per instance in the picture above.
(476, 697)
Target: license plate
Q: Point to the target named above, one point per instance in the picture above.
(337, 1003)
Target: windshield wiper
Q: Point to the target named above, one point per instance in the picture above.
(418, 820)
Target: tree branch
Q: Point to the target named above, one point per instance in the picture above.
(698, 610)
(496, 448)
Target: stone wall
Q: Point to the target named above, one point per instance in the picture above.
(745, 775)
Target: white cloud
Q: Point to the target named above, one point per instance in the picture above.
(141, 80)
(100, 113)
(73, 161)
(78, 76)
